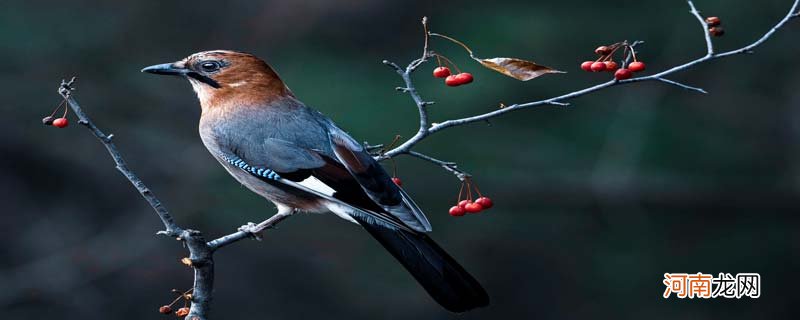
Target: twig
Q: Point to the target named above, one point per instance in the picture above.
(687, 87)
(709, 44)
(65, 90)
(449, 166)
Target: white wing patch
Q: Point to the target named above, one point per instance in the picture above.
(342, 212)
(315, 184)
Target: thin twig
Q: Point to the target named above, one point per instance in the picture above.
(449, 166)
(687, 87)
(709, 43)
(65, 90)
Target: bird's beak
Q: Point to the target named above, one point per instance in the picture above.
(175, 69)
(179, 69)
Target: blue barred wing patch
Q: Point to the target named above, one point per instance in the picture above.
(260, 172)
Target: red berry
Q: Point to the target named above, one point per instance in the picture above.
(587, 65)
(485, 202)
(623, 74)
(636, 66)
(464, 203)
(611, 66)
(182, 312)
(397, 181)
(473, 208)
(713, 21)
(60, 122)
(452, 81)
(598, 66)
(464, 78)
(602, 50)
(165, 310)
(716, 31)
(441, 72)
(457, 211)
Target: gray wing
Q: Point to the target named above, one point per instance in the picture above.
(298, 143)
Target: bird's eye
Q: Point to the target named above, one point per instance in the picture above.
(209, 66)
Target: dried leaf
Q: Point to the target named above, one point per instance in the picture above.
(516, 68)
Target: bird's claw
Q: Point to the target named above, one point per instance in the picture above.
(252, 229)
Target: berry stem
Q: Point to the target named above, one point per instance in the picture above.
(394, 168)
(614, 48)
(469, 189)
(180, 296)
(478, 190)
(66, 109)
(633, 52)
(58, 107)
(454, 41)
(460, 191)
(447, 61)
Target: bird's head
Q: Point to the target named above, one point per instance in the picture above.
(223, 77)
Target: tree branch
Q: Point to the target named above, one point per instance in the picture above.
(425, 130)
(200, 252)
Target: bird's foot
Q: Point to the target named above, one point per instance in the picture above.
(253, 229)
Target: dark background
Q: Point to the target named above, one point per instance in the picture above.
(594, 202)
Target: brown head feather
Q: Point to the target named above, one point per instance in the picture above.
(244, 80)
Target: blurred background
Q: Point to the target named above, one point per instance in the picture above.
(594, 202)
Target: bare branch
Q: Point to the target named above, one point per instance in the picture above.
(748, 49)
(65, 90)
(709, 44)
(425, 131)
(250, 231)
(200, 251)
(449, 166)
(687, 87)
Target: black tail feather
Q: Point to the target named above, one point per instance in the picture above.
(441, 276)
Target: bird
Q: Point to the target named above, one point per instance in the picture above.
(300, 160)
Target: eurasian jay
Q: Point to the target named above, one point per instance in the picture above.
(297, 158)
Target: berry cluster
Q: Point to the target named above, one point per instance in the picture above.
(61, 122)
(451, 80)
(715, 29)
(464, 206)
(183, 311)
(606, 62)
